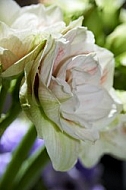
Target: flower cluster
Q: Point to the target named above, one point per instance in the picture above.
(67, 83)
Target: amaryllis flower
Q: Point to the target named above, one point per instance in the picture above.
(22, 33)
(68, 94)
(33, 17)
(17, 47)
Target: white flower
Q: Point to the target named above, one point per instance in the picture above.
(33, 17)
(23, 32)
(68, 94)
(17, 48)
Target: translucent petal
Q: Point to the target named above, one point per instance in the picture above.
(19, 66)
(62, 149)
(7, 58)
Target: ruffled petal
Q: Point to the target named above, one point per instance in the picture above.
(96, 108)
(77, 131)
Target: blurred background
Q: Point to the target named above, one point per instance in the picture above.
(109, 174)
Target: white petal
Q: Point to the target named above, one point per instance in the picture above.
(115, 137)
(37, 17)
(91, 153)
(76, 41)
(46, 66)
(61, 89)
(19, 66)
(49, 103)
(7, 58)
(77, 131)
(53, 110)
(62, 149)
(80, 69)
(106, 61)
(8, 11)
(96, 108)
(112, 141)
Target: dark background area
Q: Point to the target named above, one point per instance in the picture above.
(26, 2)
(113, 177)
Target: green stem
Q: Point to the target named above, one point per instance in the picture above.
(31, 170)
(20, 154)
(10, 117)
(3, 93)
(15, 108)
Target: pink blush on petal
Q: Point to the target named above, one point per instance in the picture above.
(104, 76)
(93, 70)
(60, 54)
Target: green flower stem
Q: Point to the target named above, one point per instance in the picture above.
(31, 170)
(16, 89)
(15, 108)
(10, 117)
(3, 93)
(19, 155)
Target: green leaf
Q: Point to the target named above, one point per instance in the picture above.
(31, 170)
